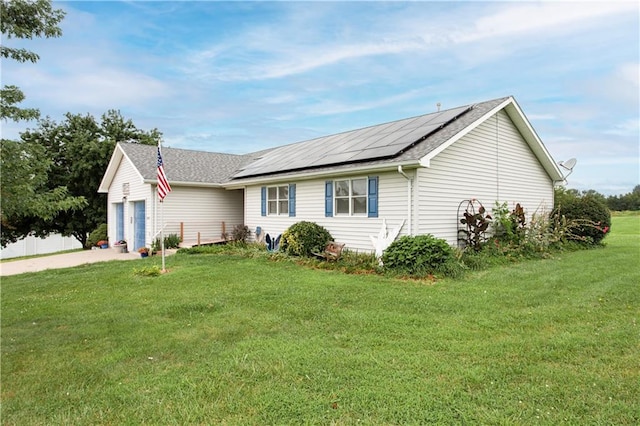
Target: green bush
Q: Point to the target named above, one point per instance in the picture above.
(588, 215)
(419, 255)
(170, 241)
(509, 226)
(304, 239)
(99, 234)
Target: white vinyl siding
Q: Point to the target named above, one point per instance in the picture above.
(491, 163)
(355, 231)
(199, 210)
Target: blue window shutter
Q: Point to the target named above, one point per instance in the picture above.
(263, 201)
(328, 198)
(292, 200)
(373, 196)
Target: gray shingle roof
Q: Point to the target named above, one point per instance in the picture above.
(183, 165)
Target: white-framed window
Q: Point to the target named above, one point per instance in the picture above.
(278, 200)
(350, 197)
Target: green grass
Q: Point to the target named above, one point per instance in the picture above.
(223, 339)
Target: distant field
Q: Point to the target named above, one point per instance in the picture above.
(231, 340)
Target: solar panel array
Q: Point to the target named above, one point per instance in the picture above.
(370, 143)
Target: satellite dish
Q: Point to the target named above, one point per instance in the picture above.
(568, 165)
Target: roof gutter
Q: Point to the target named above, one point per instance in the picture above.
(192, 184)
(351, 170)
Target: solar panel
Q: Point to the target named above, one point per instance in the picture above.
(370, 143)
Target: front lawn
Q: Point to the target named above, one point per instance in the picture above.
(234, 340)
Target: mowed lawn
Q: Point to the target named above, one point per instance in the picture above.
(231, 340)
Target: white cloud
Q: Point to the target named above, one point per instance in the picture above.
(291, 46)
(630, 127)
(331, 107)
(513, 19)
(95, 87)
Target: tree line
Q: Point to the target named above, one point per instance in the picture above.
(623, 202)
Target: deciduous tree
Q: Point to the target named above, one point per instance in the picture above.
(25, 193)
(79, 149)
(24, 19)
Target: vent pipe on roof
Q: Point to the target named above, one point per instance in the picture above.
(438, 105)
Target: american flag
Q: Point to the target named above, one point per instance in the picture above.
(163, 184)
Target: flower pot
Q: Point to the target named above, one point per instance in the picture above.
(144, 254)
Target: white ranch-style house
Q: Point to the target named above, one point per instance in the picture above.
(413, 172)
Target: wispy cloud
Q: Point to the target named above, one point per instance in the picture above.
(96, 87)
(544, 18)
(628, 127)
(286, 47)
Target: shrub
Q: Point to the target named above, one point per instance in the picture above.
(240, 233)
(509, 226)
(304, 239)
(589, 215)
(419, 255)
(170, 241)
(100, 233)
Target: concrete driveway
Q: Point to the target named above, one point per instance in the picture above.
(66, 260)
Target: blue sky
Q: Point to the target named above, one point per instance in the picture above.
(238, 77)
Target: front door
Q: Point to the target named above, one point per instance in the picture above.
(139, 228)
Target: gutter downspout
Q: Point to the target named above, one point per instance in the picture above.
(409, 198)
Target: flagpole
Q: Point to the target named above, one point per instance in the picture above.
(163, 188)
(162, 232)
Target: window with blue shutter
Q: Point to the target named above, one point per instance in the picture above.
(292, 200)
(328, 198)
(263, 201)
(372, 193)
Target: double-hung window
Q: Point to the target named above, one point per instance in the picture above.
(351, 197)
(278, 200)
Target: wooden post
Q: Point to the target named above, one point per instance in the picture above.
(198, 238)
(224, 231)
(181, 231)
